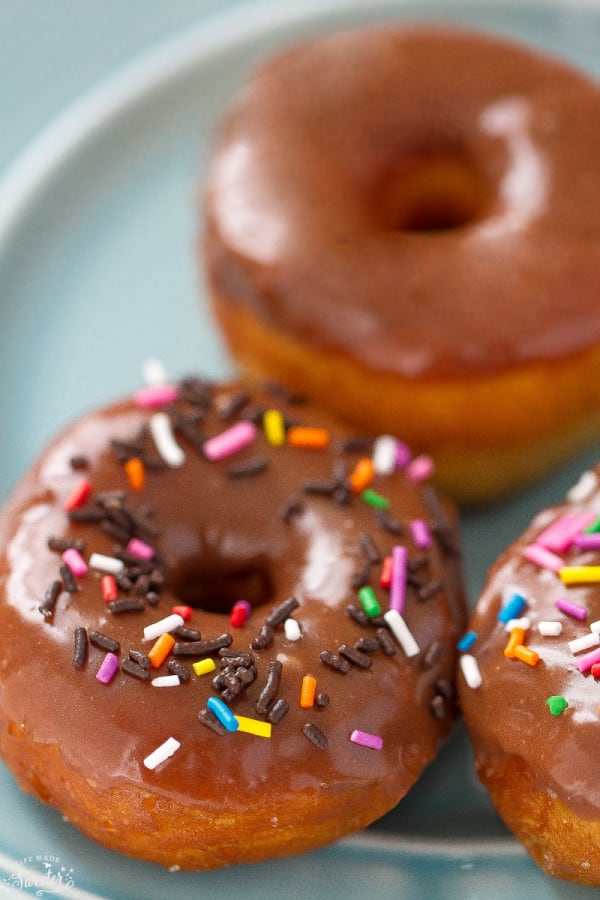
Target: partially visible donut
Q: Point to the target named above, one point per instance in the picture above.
(405, 223)
(267, 522)
(528, 689)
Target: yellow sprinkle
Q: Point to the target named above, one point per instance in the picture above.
(204, 666)
(579, 574)
(274, 427)
(254, 726)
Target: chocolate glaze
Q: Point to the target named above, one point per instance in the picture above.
(217, 535)
(423, 200)
(508, 714)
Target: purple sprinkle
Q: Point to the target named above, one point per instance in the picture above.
(403, 454)
(108, 669)
(421, 535)
(587, 541)
(373, 741)
(571, 609)
(398, 582)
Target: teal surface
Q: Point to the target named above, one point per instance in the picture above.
(98, 223)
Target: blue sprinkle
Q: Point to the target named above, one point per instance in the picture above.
(512, 609)
(223, 713)
(467, 641)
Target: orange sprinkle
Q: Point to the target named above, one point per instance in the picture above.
(362, 474)
(526, 655)
(307, 692)
(309, 438)
(136, 473)
(160, 650)
(517, 636)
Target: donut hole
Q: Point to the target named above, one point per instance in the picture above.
(216, 589)
(435, 191)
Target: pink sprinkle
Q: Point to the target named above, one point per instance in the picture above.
(421, 535)
(156, 395)
(587, 541)
(403, 454)
(140, 549)
(561, 533)
(584, 663)
(108, 669)
(373, 741)
(75, 562)
(538, 555)
(398, 582)
(420, 468)
(571, 609)
(230, 441)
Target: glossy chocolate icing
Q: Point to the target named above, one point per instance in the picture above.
(215, 534)
(508, 714)
(425, 201)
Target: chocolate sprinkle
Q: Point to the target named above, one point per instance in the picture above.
(125, 605)
(369, 549)
(68, 579)
(80, 647)
(335, 662)
(208, 718)
(202, 648)
(256, 465)
(263, 638)
(280, 613)
(104, 642)
(315, 735)
(268, 694)
(52, 594)
(131, 667)
(279, 709)
(355, 656)
(140, 658)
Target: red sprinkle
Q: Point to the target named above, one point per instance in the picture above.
(78, 495)
(110, 591)
(186, 612)
(595, 670)
(385, 579)
(239, 613)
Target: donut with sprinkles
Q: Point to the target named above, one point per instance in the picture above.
(229, 625)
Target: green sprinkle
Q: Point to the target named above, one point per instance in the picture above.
(556, 704)
(369, 601)
(594, 528)
(374, 499)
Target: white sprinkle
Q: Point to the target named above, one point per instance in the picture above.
(163, 626)
(470, 669)
(166, 681)
(161, 753)
(584, 488)
(523, 622)
(401, 632)
(384, 454)
(110, 565)
(292, 631)
(550, 628)
(595, 626)
(154, 372)
(586, 642)
(164, 440)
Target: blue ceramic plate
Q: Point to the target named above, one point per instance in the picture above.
(98, 224)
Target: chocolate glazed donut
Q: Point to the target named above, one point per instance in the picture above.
(200, 667)
(405, 223)
(529, 690)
